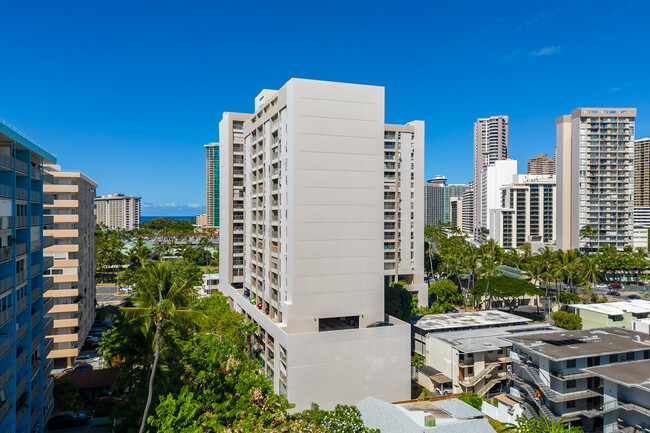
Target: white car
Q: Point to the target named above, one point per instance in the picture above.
(87, 359)
(601, 286)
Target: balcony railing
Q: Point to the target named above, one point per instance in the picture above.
(22, 331)
(6, 253)
(6, 315)
(6, 161)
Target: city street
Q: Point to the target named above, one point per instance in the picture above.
(108, 295)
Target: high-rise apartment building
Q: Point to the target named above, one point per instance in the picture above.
(435, 201)
(403, 206)
(74, 266)
(468, 209)
(212, 184)
(595, 151)
(541, 165)
(306, 179)
(527, 212)
(490, 145)
(231, 193)
(494, 176)
(117, 211)
(25, 387)
(452, 190)
(456, 211)
(642, 173)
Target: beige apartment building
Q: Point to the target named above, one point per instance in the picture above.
(117, 211)
(642, 173)
(595, 153)
(74, 263)
(404, 206)
(211, 185)
(303, 199)
(541, 165)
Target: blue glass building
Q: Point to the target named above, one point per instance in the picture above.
(25, 387)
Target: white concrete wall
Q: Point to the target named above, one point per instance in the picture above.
(335, 202)
(497, 175)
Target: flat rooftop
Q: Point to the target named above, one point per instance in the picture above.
(635, 373)
(564, 345)
(468, 320)
(614, 308)
(481, 340)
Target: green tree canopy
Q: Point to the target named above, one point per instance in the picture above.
(507, 289)
(568, 321)
(398, 302)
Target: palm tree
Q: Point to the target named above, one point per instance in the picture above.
(587, 232)
(160, 295)
(487, 269)
(547, 259)
(139, 254)
(590, 269)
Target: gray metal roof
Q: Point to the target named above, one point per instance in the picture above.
(389, 418)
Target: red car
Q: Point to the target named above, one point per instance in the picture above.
(89, 345)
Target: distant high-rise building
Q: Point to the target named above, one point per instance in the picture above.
(435, 200)
(468, 209)
(595, 151)
(494, 176)
(456, 211)
(490, 145)
(527, 212)
(403, 206)
(541, 165)
(212, 184)
(642, 173)
(26, 400)
(74, 266)
(117, 211)
(330, 203)
(452, 190)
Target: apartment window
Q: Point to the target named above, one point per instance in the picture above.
(571, 384)
(592, 361)
(613, 358)
(470, 370)
(571, 404)
(571, 363)
(629, 356)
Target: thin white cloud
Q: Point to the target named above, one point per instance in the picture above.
(193, 205)
(546, 51)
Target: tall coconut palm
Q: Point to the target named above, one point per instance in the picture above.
(587, 232)
(160, 296)
(590, 269)
(487, 269)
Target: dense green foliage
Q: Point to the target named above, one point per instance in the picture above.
(508, 289)
(398, 301)
(542, 425)
(167, 225)
(568, 321)
(569, 298)
(472, 399)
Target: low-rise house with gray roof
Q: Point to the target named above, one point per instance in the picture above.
(423, 416)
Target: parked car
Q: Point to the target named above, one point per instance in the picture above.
(452, 310)
(86, 358)
(90, 345)
(634, 297)
(82, 367)
(601, 286)
(91, 338)
(101, 324)
(67, 420)
(379, 324)
(614, 293)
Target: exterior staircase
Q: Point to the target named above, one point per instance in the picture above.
(485, 388)
(541, 407)
(483, 373)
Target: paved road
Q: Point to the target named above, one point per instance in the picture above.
(108, 295)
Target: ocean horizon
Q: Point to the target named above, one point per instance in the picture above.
(176, 217)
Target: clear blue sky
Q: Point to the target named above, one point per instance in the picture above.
(129, 91)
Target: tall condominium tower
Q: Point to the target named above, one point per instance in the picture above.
(468, 209)
(541, 165)
(435, 201)
(490, 145)
(452, 190)
(309, 171)
(456, 211)
(231, 203)
(212, 185)
(25, 384)
(595, 150)
(403, 206)
(527, 212)
(117, 211)
(642, 173)
(73, 270)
